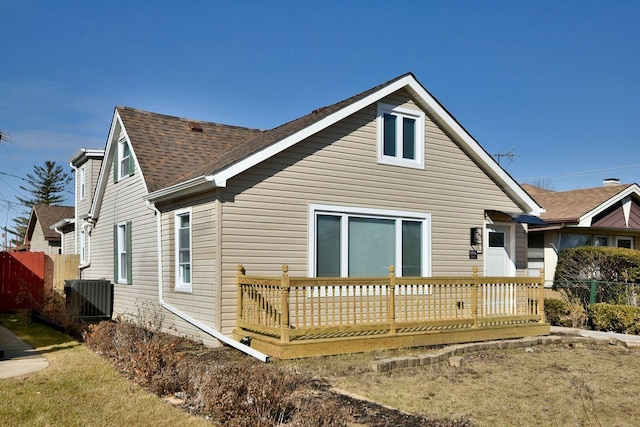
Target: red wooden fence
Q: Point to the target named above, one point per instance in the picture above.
(22, 280)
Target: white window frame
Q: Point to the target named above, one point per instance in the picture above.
(345, 212)
(618, 238)
(83, 246)
(83, 182)
(180, 284)
(122, 250)
(401, 112)
(123, 172)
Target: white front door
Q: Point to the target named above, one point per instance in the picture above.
(499, 258)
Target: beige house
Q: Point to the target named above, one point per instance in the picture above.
(602, 216)
(47, 227)
(385, 177)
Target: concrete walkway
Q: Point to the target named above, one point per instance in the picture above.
(629, 341)
(19, 357)
(558, 335)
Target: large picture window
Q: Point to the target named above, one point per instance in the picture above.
(400, 136)
(183, 250)
(348, 242)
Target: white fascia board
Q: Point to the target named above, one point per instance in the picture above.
(443, 118)
(107, 163)
(220, 178)
(585, 220)
(434, 109)
(82, 154)
(191, 186)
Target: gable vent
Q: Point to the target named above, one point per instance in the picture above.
(195, 127)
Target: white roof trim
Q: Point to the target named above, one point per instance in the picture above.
(107, 163)
(187, 187)
(428, 102)
(585, 220)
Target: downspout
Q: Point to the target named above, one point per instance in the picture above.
(61, 238)
(75, 207)
(204, 328)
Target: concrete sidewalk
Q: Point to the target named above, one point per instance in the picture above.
(629, 341)
(19, 357)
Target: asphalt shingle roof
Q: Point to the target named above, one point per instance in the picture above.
(48, 215)
(569, 206)
(169, 151)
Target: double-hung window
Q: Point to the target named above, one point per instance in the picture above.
(123, 163)
(183, 250)
(400, 136)
(122, 265)
(350, 242)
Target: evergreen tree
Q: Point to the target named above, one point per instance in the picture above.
(47, 186)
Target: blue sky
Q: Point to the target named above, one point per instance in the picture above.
(555, 83)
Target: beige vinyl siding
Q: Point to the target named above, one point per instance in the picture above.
(122, 202)
(40, 244)
(265, 210)
(69, 244)
(200, 303)
(83, 206)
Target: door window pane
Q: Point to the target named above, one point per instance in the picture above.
(328, 246)
(411, 248)
(371, 246)
(496, 239)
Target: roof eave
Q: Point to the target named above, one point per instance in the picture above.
(429, 103)
(192, 186)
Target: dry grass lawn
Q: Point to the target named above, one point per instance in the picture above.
(79, 388)
(555, 385)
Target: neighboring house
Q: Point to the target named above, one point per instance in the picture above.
(49, 229)
(601, 216)
(85, 164)
(385, 177)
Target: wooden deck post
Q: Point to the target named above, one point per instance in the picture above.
(239, 273)
(474, 297)
(284, 304)
(391, 298)
(541, 297)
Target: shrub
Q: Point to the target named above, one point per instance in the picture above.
(615, 317)
(600, 263)
(54, 309)
(233, 390)
(555, 311)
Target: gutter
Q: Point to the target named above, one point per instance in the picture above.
(204, 328)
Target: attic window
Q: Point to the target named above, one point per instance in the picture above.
(195, 127)
(400, 136)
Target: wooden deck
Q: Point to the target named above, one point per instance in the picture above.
(289, 317)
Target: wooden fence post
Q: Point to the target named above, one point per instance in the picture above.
(284, 303)
(239, 274)
(474, 297)
(541, 297)
(391, 298)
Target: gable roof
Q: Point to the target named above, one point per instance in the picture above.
(179, 156)
(45, 216)
(576, 206)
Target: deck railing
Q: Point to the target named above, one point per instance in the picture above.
(292, 308)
